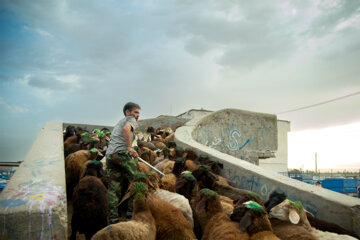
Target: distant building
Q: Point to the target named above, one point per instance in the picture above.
(280, 162)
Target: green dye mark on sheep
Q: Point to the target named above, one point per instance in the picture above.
(203, 155)
(165, 149)
(298, 205)
(140, 189)
(140, 175)
(94, 150)
(179, 159)
(179, 149)
(101, 134)
(189, 177)
(204, 167)
(96, 162)
(208, 192)
(254, 206)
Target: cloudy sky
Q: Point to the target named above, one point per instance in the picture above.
(80, 61)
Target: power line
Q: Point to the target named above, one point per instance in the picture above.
(321, 103)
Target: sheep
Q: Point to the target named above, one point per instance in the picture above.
(146, 144)
(208, 180)
(289, 221)
(294, 213)
(178, 201)
(187, 186)
(168, 167)
(102, 177)
(274, 199)
(170, 222)
(69, 132)
(145, 154)
(168, 181)
(325, 226)
(253, 218)
(216, 224)
(190, 165)
(169, 138)
(158, 144)
(142, 225)
(73, 165)
(161, 165)
(90, 202)
(171, 144)
(190, 154)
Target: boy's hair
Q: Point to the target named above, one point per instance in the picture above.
(130, 106)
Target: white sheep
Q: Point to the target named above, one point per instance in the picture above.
(178, 201)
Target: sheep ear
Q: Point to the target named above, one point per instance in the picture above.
(309, 213)
(201, 206)
(180, 183)
(294, 216)
(245, 222)
(127, 196)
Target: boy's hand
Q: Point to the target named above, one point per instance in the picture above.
(133, 153)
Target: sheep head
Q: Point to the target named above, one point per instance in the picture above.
(94, 168)
(186, 184)
(290, 211)
(190, 154)
(252, 217)
(207, 201)
(178, 166)
(204, 177)
(274, 199)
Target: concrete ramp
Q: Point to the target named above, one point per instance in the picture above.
(214, 135)
(33, 204)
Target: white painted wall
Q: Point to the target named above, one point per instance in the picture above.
(279, 164)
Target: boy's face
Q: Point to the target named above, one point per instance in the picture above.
(135, 113)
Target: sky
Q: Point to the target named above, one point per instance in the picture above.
(81, 61)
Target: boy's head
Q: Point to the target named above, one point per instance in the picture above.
(132, 109)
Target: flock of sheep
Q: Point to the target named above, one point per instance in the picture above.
(190, 200)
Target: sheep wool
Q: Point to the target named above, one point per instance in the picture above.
(178, 201)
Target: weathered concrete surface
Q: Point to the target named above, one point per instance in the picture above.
(324, 204)
(162, 122)
(280, 163)
(242, 134)
(33, 204)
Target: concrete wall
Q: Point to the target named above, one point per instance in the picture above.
(279, 164)
(324, 204)
(162, 122)
(33, 204)
(242, 134)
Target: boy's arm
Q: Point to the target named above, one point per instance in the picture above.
(127, 136)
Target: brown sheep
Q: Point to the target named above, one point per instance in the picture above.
(216, 224)
(169, 138)
(168, 181)
(208, 180)
(90, 202)
(142, 225)
(159, 145)
(190, 165)
(73, 165)
(170, 222)
(190, 154)
(289, 221)
(84, 169)
(252, 217)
